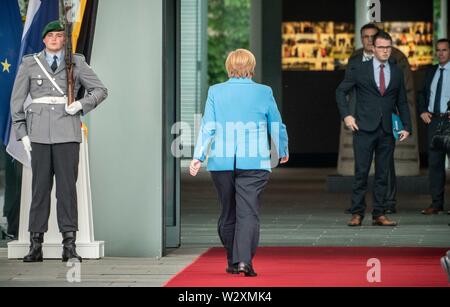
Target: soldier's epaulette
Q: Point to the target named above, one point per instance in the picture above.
(29, 55)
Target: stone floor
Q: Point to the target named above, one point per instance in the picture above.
(296, 211)
(107, 272)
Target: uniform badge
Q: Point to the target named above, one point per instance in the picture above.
(39, 81)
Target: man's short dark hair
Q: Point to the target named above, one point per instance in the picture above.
(444, 40)
(382, 35)
(369, 26)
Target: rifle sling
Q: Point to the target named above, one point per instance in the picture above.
(48, 75)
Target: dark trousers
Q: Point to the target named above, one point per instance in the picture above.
(391, 190)
(59, 161)
(239, 194)
(365, 145)
(436, 168)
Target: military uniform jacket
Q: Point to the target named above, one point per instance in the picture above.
(50, 123)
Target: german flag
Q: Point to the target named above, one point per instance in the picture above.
(84, 30)
(84, 27)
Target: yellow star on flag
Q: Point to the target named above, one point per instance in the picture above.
(5, 65)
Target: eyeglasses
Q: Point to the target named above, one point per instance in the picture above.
(385, 48)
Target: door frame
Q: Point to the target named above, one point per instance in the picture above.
(171, 115)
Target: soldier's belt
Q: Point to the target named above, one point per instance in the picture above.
(51, 100)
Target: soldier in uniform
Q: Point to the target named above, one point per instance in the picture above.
(50, 131)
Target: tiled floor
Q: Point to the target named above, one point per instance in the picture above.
(296, 210)
(108, 272)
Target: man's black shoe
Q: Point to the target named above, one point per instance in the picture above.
(247, 269)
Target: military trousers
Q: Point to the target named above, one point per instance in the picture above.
(59, 161)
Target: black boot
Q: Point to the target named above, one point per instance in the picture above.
(69, 247)
(35, 254)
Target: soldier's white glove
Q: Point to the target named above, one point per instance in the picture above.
(74, 108)
(27, 146)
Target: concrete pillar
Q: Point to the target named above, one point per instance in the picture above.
(256, 36)
(366, 11)
(125, 133)
(440, 19)
(265, 42)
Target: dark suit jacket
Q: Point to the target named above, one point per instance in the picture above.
(402, 62)
(371, 107)
(425, 92)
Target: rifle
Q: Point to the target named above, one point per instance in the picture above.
(66, 20)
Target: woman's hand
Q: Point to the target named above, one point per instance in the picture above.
(195, 167)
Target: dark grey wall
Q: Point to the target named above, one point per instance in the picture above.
(271, 47)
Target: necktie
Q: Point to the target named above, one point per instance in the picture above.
(382, 80)
(437, 99)
(54, 64)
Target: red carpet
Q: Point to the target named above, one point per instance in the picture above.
(320, 267)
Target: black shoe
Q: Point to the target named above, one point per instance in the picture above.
(247, 269)
(233, 269)
(69, 247)
(35, 254)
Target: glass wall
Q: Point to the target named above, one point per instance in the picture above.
(193, 67)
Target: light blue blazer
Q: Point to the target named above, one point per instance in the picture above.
(239, 117)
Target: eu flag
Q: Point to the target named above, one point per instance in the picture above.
(10, 37)
(39, 13)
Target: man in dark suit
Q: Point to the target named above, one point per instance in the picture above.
(380, 90)
(433, 99)
(368, 32)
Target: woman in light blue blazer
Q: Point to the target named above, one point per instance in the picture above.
(240, 118)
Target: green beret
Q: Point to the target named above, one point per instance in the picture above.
(54, 26)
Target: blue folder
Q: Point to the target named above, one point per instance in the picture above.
(397, 125)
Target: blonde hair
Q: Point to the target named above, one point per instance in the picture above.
(240, 63)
